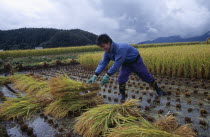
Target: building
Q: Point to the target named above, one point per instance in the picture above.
(38, 47)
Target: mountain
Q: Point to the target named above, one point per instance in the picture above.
(29, 38)
(177, 38)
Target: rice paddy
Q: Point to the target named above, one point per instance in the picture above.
(55, 101)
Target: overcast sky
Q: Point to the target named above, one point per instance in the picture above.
(128, 21)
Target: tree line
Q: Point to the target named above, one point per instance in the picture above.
(29, 38)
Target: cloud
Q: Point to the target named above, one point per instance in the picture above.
(61, 14)
(124, 20)
(161, 18)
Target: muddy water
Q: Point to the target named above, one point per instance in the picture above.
(155, 109)
(7, 92)
(13, 130)
(188, 97)
(41, 127)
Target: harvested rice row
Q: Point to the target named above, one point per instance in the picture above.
(57, 97)
(114, 120)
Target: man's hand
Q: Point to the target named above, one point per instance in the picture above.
(105, 79)
(92, 79)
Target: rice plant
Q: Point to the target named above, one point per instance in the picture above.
(125, 120)
(28, 83)
(64, 86)
(80, 49)
(164, 127)
(189, 61)
(61, 108)
(91, 60)
(33, 85)
(47, 51)
(141, 128)
(97, 121)
(23, 106)
(58, 96)
(4, 80)
(71, 96)
(169, 124)
(181, 61)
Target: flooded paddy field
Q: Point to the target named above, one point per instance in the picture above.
(187, 99)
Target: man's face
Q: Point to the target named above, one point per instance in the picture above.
(105, 46)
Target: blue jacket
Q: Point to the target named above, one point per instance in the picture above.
(120, 53)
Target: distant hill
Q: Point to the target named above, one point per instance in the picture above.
(171, 39)
(29, 38)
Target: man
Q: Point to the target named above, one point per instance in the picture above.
(125, 57)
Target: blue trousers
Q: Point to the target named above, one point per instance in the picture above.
(139, 68)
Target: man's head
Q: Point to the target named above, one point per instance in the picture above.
(104, 42)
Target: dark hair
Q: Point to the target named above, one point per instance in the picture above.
(103, 38)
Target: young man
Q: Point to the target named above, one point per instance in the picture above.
(125, 57)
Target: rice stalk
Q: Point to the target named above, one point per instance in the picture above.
(70, 96)
(19, 107)
(167, 123)
(164, 127)
(64, 86)
(4, 80)
(28, 84)
(98, 120)
(34, 86)
(185, 131)
(141, 129)
(60, 108)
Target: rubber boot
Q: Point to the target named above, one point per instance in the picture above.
(122, 92)
(159, 91)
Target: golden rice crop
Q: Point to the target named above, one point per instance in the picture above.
(47, 51)
(4, 80)
(27, 83)
(98, 120)
(64, 86)
(23, 106)
(60, 108)
(142, 128)
(67, 50)
(164, 127)
(33, 85)
(189, 61)
(91, 60)
(58, 96)
(71, 96)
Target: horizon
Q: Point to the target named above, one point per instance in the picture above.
(140, 42)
